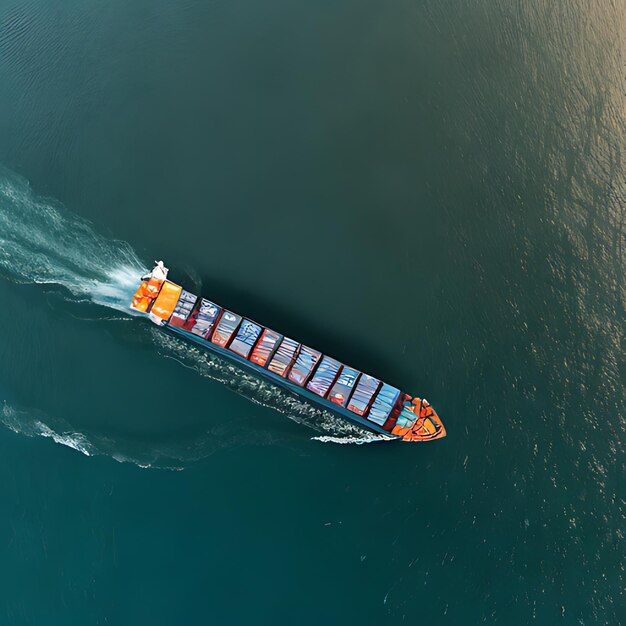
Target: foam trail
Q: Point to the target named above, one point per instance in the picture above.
(356, 440)
(34, 423)
(42, 242)
(175, 455)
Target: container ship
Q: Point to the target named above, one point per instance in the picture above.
(324, 381)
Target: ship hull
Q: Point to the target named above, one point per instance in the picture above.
(279, 381)
(363, 401)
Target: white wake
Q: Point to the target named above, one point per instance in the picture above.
(42, 242)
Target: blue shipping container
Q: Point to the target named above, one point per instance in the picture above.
(324, 376)
(384, 404)
(246, 338)
(363, 394)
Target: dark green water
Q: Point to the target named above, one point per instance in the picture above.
(431, 191)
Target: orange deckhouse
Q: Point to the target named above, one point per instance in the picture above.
(360, 398)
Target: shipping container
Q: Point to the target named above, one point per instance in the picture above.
(184, 307)
(304, 365)
(342, 389)
(383, 404)
(265, 348)
(324, 376)
(226, 328)
(205, 321)
(166, 301)
(284, 356)
(363, 394)
(246, 338)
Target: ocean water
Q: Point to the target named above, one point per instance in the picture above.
(433, 192)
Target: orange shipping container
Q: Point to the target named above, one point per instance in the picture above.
(165, 304)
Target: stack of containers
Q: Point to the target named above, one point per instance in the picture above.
(302, 368)
(342, 389)
(324, 376)
(226, 327)
(183, 308)
(266, 347)
(284, 357)
(384, 404)
(363, 394)
(206, 318)
(246, 338)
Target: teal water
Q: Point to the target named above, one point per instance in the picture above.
(431, 191)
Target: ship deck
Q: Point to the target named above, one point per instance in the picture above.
(280, 382)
